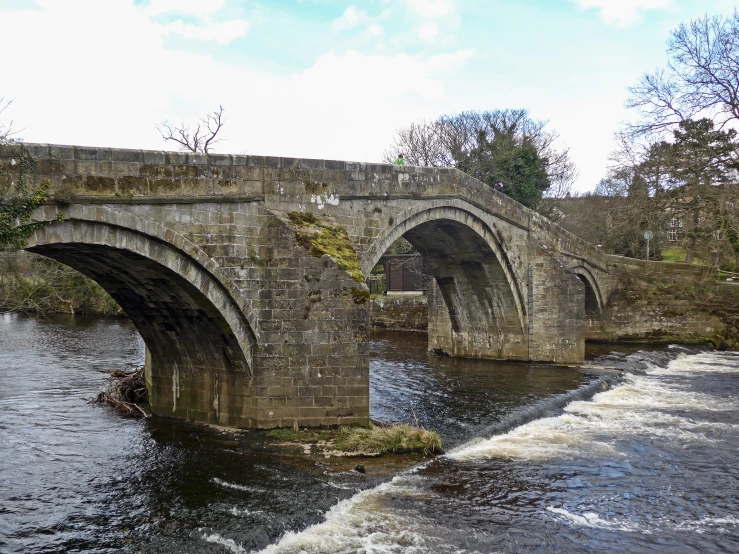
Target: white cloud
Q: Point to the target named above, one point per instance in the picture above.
(434, 19)
(343, 106)
(432, 9)
(622, 12)
(205, 29)
(222, 32)
(198, 8)
(351, 18)
(428, 31)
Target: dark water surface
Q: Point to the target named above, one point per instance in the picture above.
(537, 463)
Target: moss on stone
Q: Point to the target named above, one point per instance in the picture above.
(319, 238)
(389, 439)
(360, 296)
(302, 219)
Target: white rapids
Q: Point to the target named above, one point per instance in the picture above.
(657, 404)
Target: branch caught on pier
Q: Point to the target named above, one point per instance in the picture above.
(126, 392)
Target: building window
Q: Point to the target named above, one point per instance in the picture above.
(677, 222)
(673, 235)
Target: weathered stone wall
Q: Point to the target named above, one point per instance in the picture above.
(654, 319)
(557, 308)
(399, 313)
(643, 304)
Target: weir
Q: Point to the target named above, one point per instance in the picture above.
(252, 320)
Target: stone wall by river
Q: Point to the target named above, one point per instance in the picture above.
(644, 307)
(399, 313)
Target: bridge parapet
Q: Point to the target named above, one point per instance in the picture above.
(112, 175)
(119, 175)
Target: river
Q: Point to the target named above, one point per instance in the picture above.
(540, 459)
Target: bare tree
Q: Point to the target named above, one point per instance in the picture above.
(450, 139)
(701, 79)
(421, 144)
(201, 138)
(7, 133)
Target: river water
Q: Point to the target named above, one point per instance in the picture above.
(540, 459)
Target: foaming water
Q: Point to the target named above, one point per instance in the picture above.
(642, 406)
(648, 465)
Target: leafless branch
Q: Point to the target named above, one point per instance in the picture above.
(201, 138)
(701, 78)
(7, 133)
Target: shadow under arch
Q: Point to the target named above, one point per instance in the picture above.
(200, 346)
(481, 313)
(593, 297)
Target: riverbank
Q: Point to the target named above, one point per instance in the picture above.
(37, 285)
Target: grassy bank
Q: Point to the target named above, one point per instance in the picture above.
(38, 285)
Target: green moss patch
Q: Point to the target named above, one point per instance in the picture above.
(360, 296)
(319, 237)
(305, 436)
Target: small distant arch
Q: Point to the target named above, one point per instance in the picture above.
(593, 296)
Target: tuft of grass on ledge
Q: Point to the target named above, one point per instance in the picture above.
(390, 439)
(352, 440)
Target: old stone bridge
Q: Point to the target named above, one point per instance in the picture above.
(245, 325)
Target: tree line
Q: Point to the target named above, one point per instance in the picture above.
(505, 145)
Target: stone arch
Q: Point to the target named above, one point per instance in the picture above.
(476, 306)
(158, 232)
(460, 212)
(593, 296)
(200, 346)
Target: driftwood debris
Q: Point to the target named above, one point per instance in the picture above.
(126, 392)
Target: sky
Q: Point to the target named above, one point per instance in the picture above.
(328, 79)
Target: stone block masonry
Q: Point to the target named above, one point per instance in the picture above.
(399, 313)
(246, 323)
